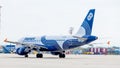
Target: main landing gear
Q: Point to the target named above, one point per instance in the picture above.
(26, 55)
(61, 55)
(39, 55)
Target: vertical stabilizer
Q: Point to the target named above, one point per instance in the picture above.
(86, 27)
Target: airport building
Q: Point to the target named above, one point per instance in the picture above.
(7, 48)
(95, 51)
(98, 50)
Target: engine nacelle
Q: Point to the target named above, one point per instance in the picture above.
(22, 50)
(55, 53)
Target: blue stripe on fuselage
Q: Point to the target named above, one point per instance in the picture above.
(52, 45)
(72, 43)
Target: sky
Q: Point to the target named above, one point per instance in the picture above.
(20, 18)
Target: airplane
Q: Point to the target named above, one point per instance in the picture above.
(57, 45)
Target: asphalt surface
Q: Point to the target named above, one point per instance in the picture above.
(50, 61)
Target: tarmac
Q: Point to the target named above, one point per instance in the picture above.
(50, 61)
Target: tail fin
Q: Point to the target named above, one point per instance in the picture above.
(86, 27)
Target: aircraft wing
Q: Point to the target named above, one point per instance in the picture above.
(26, 44)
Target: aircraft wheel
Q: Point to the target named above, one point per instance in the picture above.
(61, 55)
(26, 55)
(39, 56)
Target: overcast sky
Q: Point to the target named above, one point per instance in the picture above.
(21, 18)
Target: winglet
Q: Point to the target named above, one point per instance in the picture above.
(5, 40)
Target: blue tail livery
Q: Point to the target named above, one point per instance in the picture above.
(86, 27)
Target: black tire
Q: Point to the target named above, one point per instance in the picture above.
(26, 55)
(61, 55)
(39, 56)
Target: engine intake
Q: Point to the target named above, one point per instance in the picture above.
(23, 50)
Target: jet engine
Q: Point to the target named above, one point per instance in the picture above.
(23, 50)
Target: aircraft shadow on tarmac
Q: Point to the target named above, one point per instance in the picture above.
(45, 58)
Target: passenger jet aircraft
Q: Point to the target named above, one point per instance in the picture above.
(57, 45)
